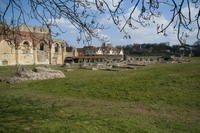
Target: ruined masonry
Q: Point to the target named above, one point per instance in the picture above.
(27, 45)
(30, 45)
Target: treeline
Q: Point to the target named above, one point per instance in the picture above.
(161, 49)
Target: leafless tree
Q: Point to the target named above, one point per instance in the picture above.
(84, 14)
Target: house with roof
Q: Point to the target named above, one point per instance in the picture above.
(95, 54)
(91, 50)
(105, 50)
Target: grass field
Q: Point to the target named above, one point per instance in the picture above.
(160, 98)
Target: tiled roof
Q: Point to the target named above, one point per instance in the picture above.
(102, 48)
(96, 56)
(87, 57)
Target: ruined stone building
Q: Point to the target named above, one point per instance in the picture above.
(26, 44)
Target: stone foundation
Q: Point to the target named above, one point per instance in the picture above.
(38, 73)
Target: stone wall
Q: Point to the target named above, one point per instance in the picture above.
(58, 51)
(25, 53)
(72, 52)
(24, 47)
(7, 53)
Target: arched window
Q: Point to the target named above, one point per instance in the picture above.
(56, 48)
(26, 47)
(26, 44)
(42, 46)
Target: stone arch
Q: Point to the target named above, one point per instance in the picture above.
(56, 48)
(58, 51)
(26, 47)
(25, 52)
(43, 52)
(26, 42)
(43, 45)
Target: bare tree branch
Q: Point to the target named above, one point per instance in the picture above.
(84, 14)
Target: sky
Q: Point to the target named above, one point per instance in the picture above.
(112, 34)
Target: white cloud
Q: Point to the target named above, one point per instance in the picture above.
(101, 36)
(149, 33)
(64, 23)
(140, 35)
(194, 11)
(106, 20)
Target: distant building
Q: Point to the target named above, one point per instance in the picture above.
(95, 54)
(25, 45)
(105, 50)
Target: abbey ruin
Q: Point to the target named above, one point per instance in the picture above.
(27, 45)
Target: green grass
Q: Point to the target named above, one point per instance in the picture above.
(160, 98)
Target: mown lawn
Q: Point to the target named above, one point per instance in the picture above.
(160, 98)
